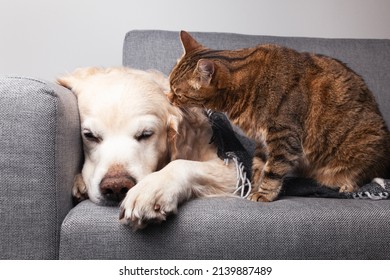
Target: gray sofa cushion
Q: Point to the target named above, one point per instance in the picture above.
(368, 57)
(39, 155)
(234, 228)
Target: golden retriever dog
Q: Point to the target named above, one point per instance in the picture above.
(140, 151)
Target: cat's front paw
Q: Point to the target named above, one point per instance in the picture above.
(262, 197)
(268, 194)
(268, 190)
(257, 169)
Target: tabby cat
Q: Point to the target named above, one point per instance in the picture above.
(307, 113)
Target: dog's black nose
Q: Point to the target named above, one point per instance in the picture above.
(114, 189)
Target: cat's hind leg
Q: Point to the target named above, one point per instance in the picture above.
(341, 178)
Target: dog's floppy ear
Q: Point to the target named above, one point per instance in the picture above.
(67, 81)
(73, 80)
(160, 79)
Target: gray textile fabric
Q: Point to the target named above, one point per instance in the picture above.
(369, 58)
(234, 228)
(40, 152)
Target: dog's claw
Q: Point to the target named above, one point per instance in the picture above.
(122, 214)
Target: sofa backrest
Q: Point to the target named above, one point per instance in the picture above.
(370, 58)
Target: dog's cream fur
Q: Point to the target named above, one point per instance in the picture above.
(134, 136)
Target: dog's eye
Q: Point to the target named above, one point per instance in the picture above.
(144, 135)
(90, 136)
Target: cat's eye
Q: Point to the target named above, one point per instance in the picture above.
(90, 136)
(145, 134)
(177, 90)
(178, 93)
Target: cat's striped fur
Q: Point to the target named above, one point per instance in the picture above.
(307, 113)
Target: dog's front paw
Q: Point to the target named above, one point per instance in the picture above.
(150, 201)
(79, 189)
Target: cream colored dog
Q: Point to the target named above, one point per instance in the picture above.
(140, 148)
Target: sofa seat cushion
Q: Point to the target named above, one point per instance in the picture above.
(234, 228)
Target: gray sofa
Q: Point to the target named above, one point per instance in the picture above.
(40, 152)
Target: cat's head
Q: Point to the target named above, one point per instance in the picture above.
(197, 79)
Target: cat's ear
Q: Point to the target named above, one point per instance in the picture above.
(189, 43)
(206, 69)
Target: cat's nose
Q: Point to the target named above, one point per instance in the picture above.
(170, 96)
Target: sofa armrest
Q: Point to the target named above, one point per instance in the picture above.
(40, 153)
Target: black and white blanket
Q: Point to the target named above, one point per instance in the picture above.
(233, 146)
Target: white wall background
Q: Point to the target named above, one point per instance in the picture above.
(46, 38)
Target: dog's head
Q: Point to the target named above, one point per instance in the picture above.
(128, 127)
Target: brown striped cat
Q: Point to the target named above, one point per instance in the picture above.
(308, 113)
